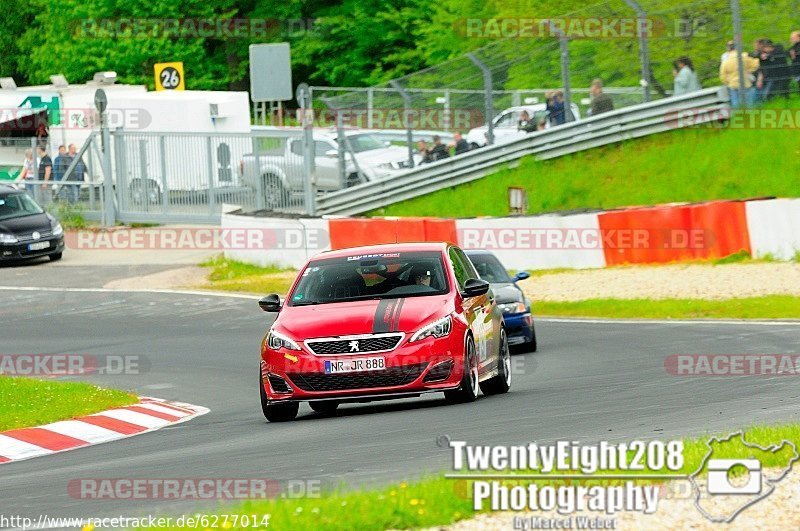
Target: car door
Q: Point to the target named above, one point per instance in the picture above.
(327, 166)
(477, 310)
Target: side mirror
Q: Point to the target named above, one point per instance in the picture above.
(270, 303)
(387, 143)
(474, 287)
(522, 275)
(332, 153)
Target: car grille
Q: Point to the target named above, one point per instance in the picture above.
(354, 344)
(396, 376)
(29, 237)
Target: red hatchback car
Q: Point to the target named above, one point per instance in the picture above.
(378, 322)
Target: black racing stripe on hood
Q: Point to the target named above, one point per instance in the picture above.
(396, 320)
(382, 321)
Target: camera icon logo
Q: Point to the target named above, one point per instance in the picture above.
(719, 481)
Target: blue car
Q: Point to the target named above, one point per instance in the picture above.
(510, 298)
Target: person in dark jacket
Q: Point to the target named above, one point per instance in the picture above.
(424, 152)
(555, 106)
(460, 145)
(439, 151)
(601, 102)
(775, 69)
(525, 123)
(794, 55)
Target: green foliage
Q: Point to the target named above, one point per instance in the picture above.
(365, 42)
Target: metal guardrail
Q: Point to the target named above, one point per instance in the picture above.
(615, 126)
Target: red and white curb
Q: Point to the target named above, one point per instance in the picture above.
(149, 414)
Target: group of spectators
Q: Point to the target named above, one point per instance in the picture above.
(769, 70)
(438, 150)
(55, 171)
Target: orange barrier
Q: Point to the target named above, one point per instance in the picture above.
(674, 233)
(371, 231)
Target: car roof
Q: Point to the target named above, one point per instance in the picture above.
(385, 248)
(478, 251)
(7, 189)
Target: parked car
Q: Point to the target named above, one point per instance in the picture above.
(26, 230)
(510, 297)
(282, 174)
(384, 321)
(506, 124)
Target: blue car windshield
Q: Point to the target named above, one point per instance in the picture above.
(370, 276)
(489, 268)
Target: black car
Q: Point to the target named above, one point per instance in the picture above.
(26, 230)
(510, 298)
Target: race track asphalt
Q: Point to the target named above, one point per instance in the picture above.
(590, 381)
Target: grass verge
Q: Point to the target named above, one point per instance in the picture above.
(662, 168)
(230, 275)
(766, 307)
(434, 501)
(26, 402)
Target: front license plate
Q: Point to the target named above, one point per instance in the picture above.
(38, 245)
(355, 365)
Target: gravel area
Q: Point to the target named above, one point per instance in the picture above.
(688, 281)
(777, 511)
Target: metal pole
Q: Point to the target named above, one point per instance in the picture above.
(304, 99)
(563, 43)
(110, 214)
(407, 116)
(370, 105)
(487, 96)
(446, 110)
(642, 27)
(737, 40)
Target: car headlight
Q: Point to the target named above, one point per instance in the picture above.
(438, 328)
(277, 341)
(8, 238)
(58, 230)
(513, 307)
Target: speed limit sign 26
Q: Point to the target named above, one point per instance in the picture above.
(169, 76)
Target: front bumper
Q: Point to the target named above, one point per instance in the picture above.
(412, 368)
(19, 251)
(519, 328)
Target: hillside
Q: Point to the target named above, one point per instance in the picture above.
(686, 165)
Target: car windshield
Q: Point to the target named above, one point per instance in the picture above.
(365, 142)
(370, 276)
(17, 206)
(489, 268)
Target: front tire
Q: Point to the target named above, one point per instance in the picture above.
(501, 382)
(276, 196)
(468, 389)
(277, 412)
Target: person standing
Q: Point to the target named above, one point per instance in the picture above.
(776, 71)
(601, 102)
(60, 165)
(439, 151)
(27, 170)
(77, 175)
(729, 75)
(45, 171)
(685, 77)
(730, 47)
(460, 145)
(794, 55)
(555, 106)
